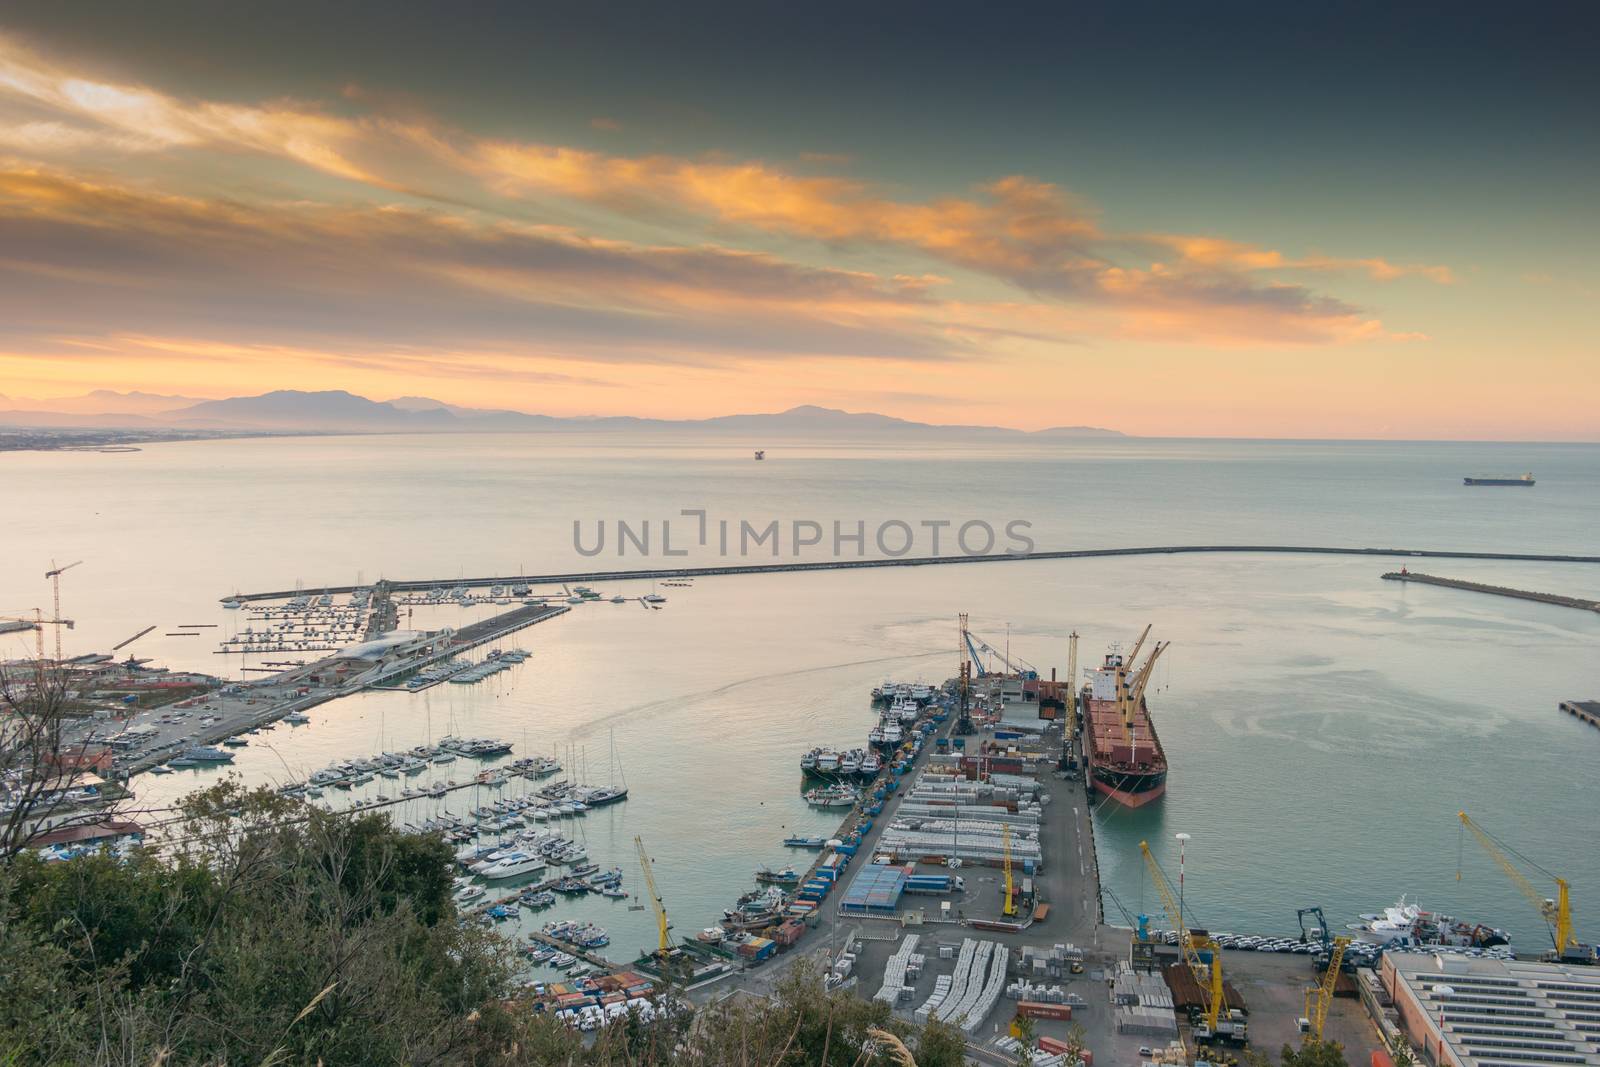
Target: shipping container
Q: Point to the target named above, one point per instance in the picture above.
(1034, 1009)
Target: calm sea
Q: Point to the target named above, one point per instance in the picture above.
(1324, 727)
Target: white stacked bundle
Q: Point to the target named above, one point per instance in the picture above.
(894, 972)
(989, 995)
(961, 980)
(941, 989)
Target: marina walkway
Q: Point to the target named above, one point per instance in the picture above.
(419, 585)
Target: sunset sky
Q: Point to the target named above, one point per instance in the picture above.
(1274, 220)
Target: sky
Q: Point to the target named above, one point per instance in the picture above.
(1188, 220)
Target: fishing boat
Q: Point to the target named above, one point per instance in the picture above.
(788, 876)
(832, 796)
(805, 842)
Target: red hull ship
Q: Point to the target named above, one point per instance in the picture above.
(1121, 747)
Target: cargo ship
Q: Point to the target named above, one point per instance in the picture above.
(1526, 479)
(1121, 748)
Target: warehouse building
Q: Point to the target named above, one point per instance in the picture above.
(1464, 1012)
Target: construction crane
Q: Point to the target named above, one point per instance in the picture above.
(1010, 907)
(655, 897)
(1216, 1021)
(37, 624)
(1557, 913)
(1320, 996)
(54, 574)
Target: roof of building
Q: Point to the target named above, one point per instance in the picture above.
(375, 648)
(876, 888)
(1504, 1013)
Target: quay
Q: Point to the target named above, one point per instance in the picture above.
(1586, 710)
(1404, 575)
(422, 585)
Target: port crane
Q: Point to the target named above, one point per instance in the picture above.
(1216, 1021)
(1557, 912)
(655, 897)
(977, 647)
(1319, 997)
(54, 574)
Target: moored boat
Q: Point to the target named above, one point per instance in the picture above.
(1125, 759)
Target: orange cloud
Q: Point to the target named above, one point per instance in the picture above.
(1031, 234)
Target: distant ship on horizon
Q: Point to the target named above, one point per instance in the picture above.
(1526, 479)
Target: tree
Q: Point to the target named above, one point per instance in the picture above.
(1314, 1054)
(40, 776)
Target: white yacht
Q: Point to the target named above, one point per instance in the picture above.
(517, 863)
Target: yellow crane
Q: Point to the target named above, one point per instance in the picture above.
(1214, 1023)
(1557, 912)
(54, 574)
(1320, 996)
(1133, 692)
(1010, 907)
(655, 895)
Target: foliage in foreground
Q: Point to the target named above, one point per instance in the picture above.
(271, 932)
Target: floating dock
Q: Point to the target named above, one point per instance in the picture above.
(1587, 710)
(1494, 590)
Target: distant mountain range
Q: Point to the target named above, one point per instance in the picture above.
(336, 411)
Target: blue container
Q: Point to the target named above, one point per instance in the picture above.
(960, 742)
(848, 850)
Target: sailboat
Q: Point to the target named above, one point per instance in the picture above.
(613, 792)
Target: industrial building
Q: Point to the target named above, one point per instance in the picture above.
(1465, 1012)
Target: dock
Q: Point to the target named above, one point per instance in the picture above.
(1586, 710)
(1494, 590)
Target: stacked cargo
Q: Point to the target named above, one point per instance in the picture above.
(1022, 989)
(901, 970)
(757, 948)
(941, 989)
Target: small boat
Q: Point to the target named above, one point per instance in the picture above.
(562, 959)
(805, 842)
(787, 876)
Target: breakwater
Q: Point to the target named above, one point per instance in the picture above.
(420, 584)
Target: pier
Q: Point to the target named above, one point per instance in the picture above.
(420, 585)
(1494, 590)
(299, 688)
(1586, 710)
